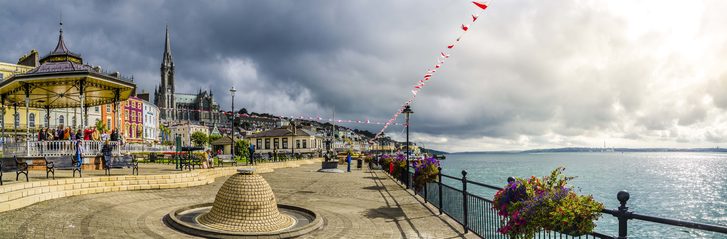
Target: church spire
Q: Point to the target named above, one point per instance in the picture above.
(167, 50)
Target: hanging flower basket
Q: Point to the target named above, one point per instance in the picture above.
(531, 205)
(425, 171)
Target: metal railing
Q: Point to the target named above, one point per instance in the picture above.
(53, 148)
(476, 213)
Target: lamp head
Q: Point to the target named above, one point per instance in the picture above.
(407, 110)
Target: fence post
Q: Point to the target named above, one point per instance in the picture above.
(464, 200)
(439, 175)
(426, 185)
(623, 210)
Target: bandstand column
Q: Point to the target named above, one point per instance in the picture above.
(47, 117)
(27, 120)
(2, 103)
(116, 110)
(81, 89)
(15, 115)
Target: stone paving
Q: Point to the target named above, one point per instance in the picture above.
(361, 204)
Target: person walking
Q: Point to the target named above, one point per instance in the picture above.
(251, 151)
(79, 154)
(348, 161)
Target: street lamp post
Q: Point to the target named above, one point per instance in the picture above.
(407, 111)
(232, 129)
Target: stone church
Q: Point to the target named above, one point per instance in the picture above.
(199, 108)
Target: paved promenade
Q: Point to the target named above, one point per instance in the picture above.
(360, 204)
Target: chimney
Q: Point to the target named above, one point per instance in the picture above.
(29, 60)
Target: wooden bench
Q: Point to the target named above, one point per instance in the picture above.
(62, 162)
(225, 158)
(127, 161)
(190, 162)
(13, 164)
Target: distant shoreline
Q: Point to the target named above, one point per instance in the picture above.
(601, 150)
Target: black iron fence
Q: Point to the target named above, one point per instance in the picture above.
(475, 213)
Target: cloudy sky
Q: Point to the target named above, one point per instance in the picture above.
(529, 74)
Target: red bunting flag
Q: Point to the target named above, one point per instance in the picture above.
(474, 17)
(465, 27)
(481, 5)
(444, 55)
(427, 75)
(450, 46)
(437, 66)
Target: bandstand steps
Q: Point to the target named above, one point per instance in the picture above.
(25, 194)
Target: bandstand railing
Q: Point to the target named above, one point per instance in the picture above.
(89, 148)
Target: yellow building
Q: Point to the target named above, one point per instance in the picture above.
(7, 70)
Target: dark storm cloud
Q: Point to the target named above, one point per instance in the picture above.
(529, 73)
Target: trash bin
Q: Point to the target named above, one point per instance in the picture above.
(359, 163)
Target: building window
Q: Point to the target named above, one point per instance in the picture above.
(259, 143)
(297, 143)
(96, 108)
(2, 76)
(74, 120)
(108, 108)
(31, 120)
(108, 123)
(285, 143)
(267, 143)
(276, 143)
(17, 119)
(61, 120)
(305, 141)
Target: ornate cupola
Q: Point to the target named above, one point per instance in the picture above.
(61, 53)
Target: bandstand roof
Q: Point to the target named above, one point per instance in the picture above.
(58, 81)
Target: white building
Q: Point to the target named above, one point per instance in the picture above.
(70, 117)
(151, 122)
(186, 130)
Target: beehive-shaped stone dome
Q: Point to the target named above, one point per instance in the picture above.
(246, 203)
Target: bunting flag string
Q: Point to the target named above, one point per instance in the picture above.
(318, 118)
(441, 59)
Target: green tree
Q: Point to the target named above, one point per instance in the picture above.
(214, 137)
(101, 126)
(166, 132)
(199, 138)
(241, 149)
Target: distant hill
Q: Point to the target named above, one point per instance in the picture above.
(433, 151)
(596, 150)
(578, 150)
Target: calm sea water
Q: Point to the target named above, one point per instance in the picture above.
(686, 186)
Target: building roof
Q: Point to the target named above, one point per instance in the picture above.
(225, 140)
(184, 98)
(280, 132)
(55, 83)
